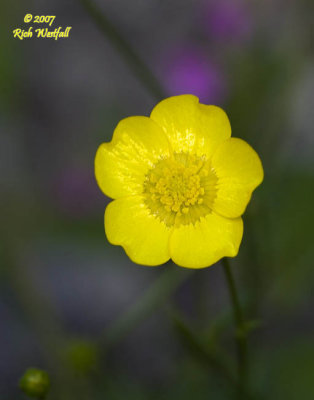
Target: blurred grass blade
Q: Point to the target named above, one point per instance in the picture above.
(154, 297)
(134, 61)
(197, 348)
(212, 359)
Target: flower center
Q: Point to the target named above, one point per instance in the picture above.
(181, 189)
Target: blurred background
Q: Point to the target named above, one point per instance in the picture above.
(74, 305)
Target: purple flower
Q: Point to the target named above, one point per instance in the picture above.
(75, 192)
(188, 70)
(227, 20)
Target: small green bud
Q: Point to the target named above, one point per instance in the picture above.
(35, 383)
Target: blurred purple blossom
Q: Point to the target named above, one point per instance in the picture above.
(188, 69)
(227, 20)
(76, 193)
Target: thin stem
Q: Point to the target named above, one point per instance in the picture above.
(241, 337)
(136, 64)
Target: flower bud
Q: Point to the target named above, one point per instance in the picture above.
(35, 383)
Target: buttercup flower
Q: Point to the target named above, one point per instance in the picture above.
(181, 184)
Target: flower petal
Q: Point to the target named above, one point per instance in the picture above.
(145, 239)
(207, 241)
(121, 165)
(191, 126)
(239, 171)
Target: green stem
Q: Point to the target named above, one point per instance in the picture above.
(135, 62)
(241, 337)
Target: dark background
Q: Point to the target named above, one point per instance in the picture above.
(74, 305)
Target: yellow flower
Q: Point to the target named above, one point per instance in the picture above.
(181, 184)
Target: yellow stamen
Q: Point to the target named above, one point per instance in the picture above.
(176, 185)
